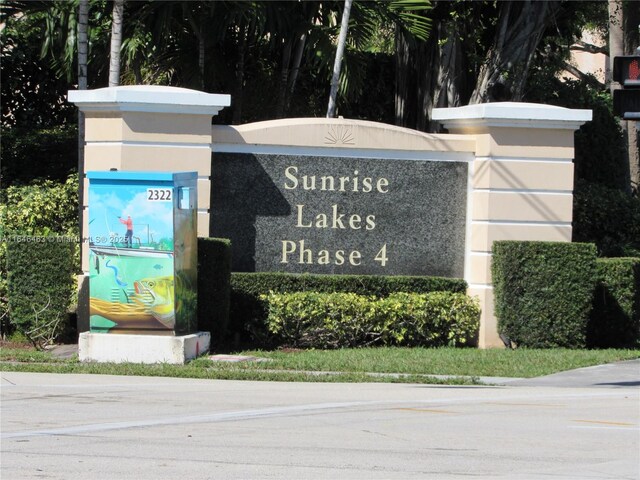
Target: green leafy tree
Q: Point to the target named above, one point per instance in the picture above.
(32, 90)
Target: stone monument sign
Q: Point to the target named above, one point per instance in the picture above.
(328, 214)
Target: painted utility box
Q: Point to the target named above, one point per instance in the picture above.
(143, 252)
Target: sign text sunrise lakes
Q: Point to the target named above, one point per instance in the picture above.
(334, 217)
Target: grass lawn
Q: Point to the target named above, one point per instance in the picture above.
(444, 361)
(348, 365)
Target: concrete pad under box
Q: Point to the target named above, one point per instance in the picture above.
(117, 348)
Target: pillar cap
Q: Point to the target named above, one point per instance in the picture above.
(149, 98)
(511, 114)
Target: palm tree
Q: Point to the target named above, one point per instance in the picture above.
(408, 17)
(344, 26)
(116, 43)
(83, 43)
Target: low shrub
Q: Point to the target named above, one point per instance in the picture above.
(248, 313)
(340, 320)
(615, 318)
(41, 285)
(321, 320)
(543, 292)
(433, 319)
(214, 285)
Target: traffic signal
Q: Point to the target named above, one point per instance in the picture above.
(626, 101)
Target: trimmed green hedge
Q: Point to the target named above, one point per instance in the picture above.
(41, 284)
(248, 312)
(543, 292)
(347, 320)
(615, 318)
(214, 284)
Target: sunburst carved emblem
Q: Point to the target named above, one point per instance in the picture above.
(340, 135)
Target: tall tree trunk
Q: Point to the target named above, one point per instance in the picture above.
(520, 28)
(83, 43)
(240, 67)
(443, 73)
(447, 92)
(342, 40)
(83, 53)
(284, 78)
(198, 32)
(295, 68)
(429, 74)
(201, 56)
(116, 43)
(403, 77)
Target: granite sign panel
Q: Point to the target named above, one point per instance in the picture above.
(311, 214)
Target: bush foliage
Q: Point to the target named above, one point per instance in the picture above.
(432, 319)
(248, 311)
(51, 152)
(43, 208)
(41, 285)
(615, 318)
(543, 292)
(337, 320)
(608, 217)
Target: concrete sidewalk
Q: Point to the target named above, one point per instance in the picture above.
(617, 375)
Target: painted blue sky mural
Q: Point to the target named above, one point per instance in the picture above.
(152, 220)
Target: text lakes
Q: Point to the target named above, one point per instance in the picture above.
(335, 219)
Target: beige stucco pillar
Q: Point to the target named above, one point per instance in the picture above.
(153, 128)
(521, 184)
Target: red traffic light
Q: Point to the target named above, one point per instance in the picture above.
(626, 71)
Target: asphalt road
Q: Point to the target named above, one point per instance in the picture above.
(106, 427)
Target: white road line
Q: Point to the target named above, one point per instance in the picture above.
(604, 427)
(205, 418)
